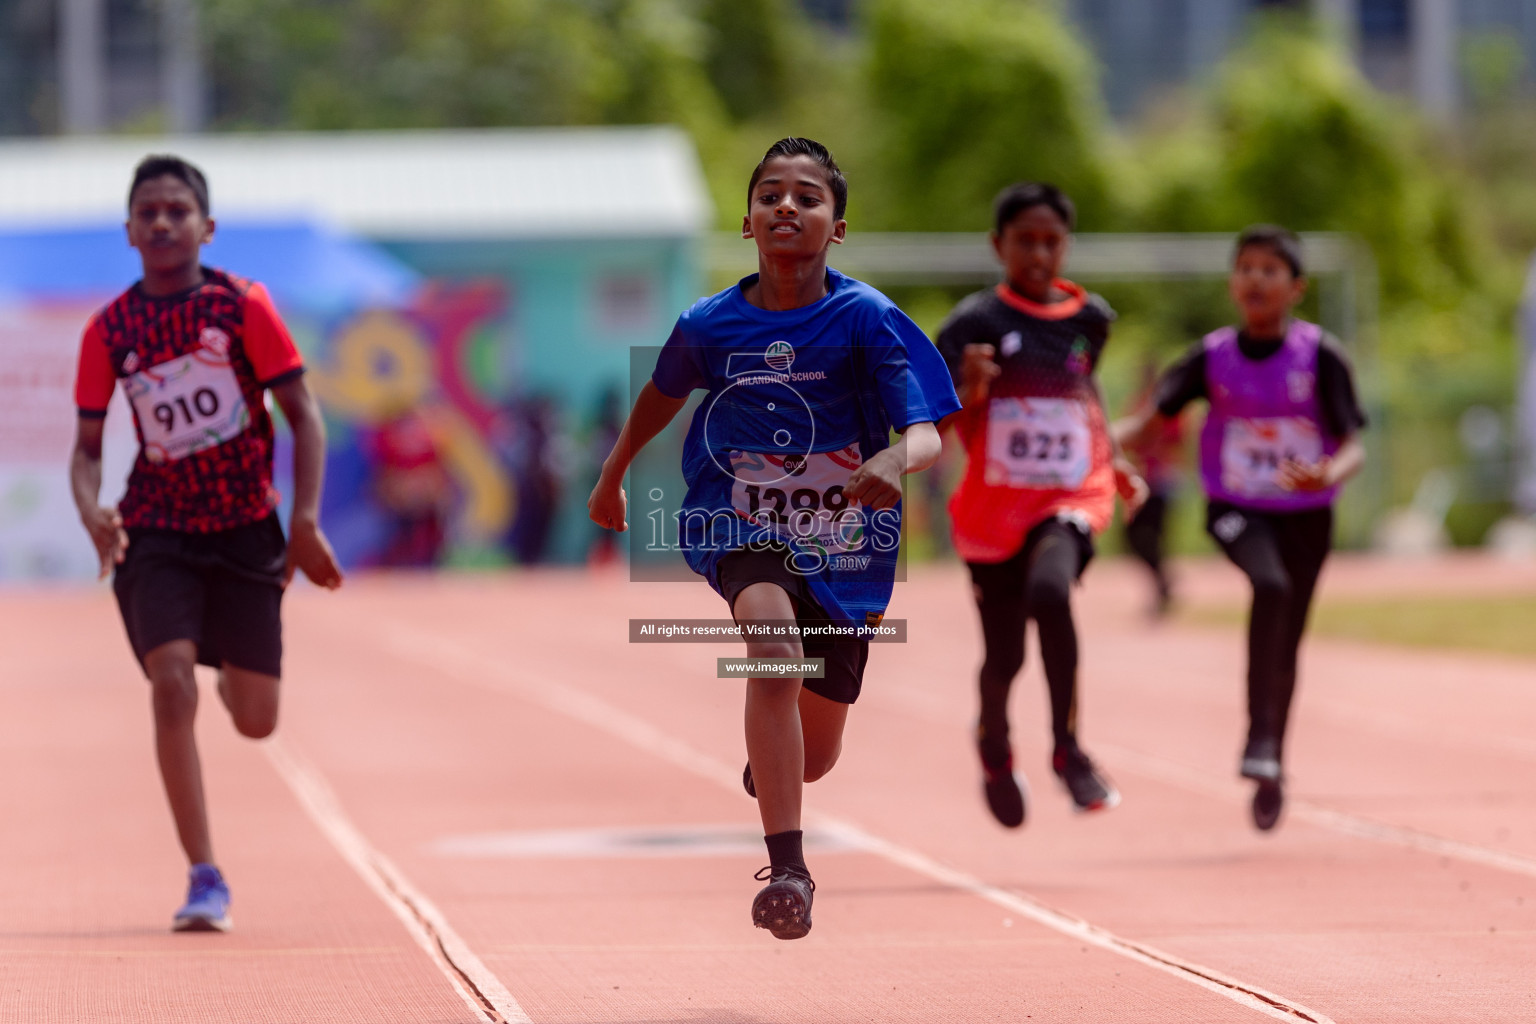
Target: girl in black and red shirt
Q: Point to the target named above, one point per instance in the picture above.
(1042, 472)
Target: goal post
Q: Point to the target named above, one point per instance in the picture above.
(1341, 267)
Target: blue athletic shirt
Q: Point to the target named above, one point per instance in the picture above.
(797, 400)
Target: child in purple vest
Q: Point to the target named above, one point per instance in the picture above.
(1280, 438)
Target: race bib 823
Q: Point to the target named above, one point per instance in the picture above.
(1038, 442)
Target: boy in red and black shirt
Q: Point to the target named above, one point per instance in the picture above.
(1041, 476)
(195, 546)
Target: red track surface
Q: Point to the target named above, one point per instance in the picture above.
(422, 712)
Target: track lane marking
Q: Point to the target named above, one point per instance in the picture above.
(475, 983)
(1194, 780)
(454, 659)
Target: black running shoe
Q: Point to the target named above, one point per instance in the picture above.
(1268, 799)
(784, 904)
(746, 781)
(1261, 759)
(1005, 796)
(1090, 790)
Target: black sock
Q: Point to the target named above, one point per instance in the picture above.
(784, 851)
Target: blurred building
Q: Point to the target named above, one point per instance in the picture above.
(1419, 48)
(530, 263)
(92, 65)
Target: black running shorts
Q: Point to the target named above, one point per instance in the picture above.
(844, 658)
(1001, 582)
(223, 591)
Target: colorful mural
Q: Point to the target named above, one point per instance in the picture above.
(471, 387)
(416, 475)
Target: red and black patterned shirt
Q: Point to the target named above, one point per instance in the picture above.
(1039, 447)
(194, 367)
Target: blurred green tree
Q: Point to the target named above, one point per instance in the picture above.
(1291, 133)
(748, 51)
(970, 95)
(457, 63)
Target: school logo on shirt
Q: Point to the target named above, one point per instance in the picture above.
(1012, 342)
(770, 366)
(214, 340)
(1077, 359)
(780, 356)
(131, 362)
(1298, 384)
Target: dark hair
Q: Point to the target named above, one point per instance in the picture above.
(794, 146)
(1280, 241)
(1015, 199)
(158, 165)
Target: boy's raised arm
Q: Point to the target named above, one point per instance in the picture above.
(307, 547)
(653, 410)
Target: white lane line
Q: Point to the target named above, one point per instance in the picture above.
(1194, 780)
(474, 982)
(453, 659)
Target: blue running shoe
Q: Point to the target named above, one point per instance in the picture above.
(207, 908)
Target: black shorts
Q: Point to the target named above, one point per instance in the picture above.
(844, 658)
(223, 591)
(1001, 582)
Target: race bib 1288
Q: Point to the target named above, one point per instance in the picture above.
(801, 496)
(187, 404)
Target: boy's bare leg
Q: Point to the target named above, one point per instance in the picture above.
(821, 723)
(775, 743)
(174, 695)
(251, 698)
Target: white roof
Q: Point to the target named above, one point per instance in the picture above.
(496, 183)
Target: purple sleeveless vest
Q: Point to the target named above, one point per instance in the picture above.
(1263, 412)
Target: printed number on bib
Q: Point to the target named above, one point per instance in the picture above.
(803, 497)
(187, 404)
(1253, 450)
(1038, 442)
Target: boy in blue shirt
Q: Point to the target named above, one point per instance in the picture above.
(793, 508)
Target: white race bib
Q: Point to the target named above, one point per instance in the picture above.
(1253, 450)
(1038, 442)
(187, 404)
(801, 496)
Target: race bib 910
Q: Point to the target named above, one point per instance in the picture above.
(1038, 442)
(801, 496)
(187, 404)
(1253, 450)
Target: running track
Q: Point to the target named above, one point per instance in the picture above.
(484, 804)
